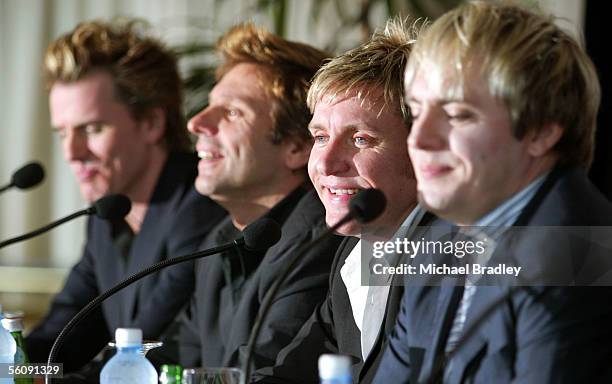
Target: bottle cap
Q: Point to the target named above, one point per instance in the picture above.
(12, 324)
(128, 337)
(14, 314)
(334, 366)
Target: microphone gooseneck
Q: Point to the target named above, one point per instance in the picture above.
(109, 207)
(261, 234)
(25, 177)
(364, 207)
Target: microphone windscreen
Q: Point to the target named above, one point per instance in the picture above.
(28, 176)
(367, 205)
(112, 207)
(261, 234)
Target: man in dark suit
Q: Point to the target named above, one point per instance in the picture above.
(254, 144)
(115, 101)
(504, 106)
(360, 125)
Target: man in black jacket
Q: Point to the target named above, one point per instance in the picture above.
(360, 126)
(253, 145)
(115, 101)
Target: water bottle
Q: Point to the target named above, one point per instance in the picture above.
(8, 347)
(15, 326)
(170, 374)
(129, 365)
(334, 369)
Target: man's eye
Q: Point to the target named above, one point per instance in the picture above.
(93, 129)
(361, 141)
(320, 139)
(460, 117)
(458, 114)
(231, 113)
(61, 133)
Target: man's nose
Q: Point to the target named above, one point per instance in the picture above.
(74, 145)
(204, 123)
(333, 158)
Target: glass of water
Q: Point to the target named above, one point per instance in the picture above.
(213, 376)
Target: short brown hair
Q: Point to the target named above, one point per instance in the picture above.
(288, 67)
(144, 72)
(376, 65)
(539, 71)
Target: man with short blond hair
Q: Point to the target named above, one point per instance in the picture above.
(360, 124)
(504, 105)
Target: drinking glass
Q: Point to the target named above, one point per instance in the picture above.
(213, 376)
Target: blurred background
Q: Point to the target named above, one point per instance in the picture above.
(32, 271)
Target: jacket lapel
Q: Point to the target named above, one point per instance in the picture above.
(149, 246)
(396, 290)
(448, 300)
(113, 268)
(476, 345)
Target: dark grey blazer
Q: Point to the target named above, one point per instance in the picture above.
(540, 334)
(176, 221)
(332, 329)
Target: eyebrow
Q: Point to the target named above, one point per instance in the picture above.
(439, 101)
(79, 126)
(312, 127)
(354, 127)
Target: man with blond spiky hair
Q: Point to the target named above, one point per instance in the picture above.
(360, 124)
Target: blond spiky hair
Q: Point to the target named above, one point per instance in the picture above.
(377, 64)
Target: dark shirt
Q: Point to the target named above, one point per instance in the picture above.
(230, 288)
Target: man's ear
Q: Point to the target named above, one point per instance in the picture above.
(155, 125)
(543, 141)
(296, 154)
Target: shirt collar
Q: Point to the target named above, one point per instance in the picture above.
(505, 214)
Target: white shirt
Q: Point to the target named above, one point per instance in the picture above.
(371, 301)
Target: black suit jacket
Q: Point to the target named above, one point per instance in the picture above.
(537, 334)
(332, 329)
(218, 323)
(175, 222)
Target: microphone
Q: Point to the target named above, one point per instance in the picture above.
(259, 235)
(110, 207)
(364, 207)
(367, 205)
(26, 177)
